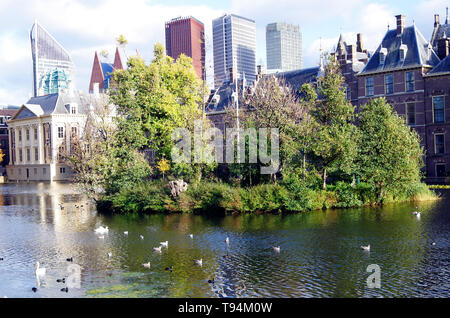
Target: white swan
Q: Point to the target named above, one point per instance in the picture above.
(191, 236)
(165, 244)
(126, 232)
(40, 271)
(198, 262)
(101, 230)
(142, 237)
(157, 249)
(366, 248)
(277, 249)
(227, 240)
(146, 265)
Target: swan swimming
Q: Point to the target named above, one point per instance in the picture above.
(157, 249)
(40, 271)
(277, 249)
(146, 265)
(227, 240)
(101, 230)
(126, 232)
(199, 262)
(191, 236)
(165, 244)
(366, 248)
(141, 237)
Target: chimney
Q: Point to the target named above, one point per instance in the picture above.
(443, 48)
(400, 23)
(359, 43)
(436, 20)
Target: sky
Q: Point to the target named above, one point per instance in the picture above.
(86, 26)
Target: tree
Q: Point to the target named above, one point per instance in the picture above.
(389, 152)
(335, 139)
(101, 164)
(163, 166)
(273, 104)
(153, 100)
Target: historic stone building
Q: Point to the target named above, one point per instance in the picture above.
(42, 130)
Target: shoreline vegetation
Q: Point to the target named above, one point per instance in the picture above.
(329, 154)
(221, 198)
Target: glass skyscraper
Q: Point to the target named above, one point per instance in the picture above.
(234, 47)
(284, 47)
(49, 58)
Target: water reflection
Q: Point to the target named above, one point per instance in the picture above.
(320, 254)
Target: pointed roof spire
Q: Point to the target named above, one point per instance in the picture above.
(446, 19)
(118, 65)
(97, 75)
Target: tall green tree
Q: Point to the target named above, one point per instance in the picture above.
(389, 151)
(153, 100)
(335, 138)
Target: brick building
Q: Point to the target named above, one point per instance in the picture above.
(187, 36)
(101, 72)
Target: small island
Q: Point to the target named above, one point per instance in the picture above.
(328, 154)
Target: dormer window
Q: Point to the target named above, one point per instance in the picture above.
(383, 53)
(72, 108)
(403, 50)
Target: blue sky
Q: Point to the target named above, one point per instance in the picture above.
(84, 26)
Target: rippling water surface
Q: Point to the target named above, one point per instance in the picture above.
(320, 254)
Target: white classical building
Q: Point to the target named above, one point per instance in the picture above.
(42, 129)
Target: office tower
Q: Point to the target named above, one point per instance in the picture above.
(52, 65)
(283, 47)
(234, 42)
(187, 36)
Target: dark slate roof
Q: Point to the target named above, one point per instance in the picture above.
(442, 30)
(221, 98)
(55, 104)
(297, 78)
(8, 112)
(442, 67)
(416, 55)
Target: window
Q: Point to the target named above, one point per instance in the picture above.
(20, 134)
(44, 170)
(74, 131)
(60, 132)
(409, 81)
(411, 113)
(389, 84)
(28, 154)
(62, 170)
(35, 133)
(440, 170)
(3, 144)
(61, 153)
(73, 109)
(20, 155)
(439, 144)
(28, 133)
(438, 109)
(348, 93)
(36, 154)
(369, 86)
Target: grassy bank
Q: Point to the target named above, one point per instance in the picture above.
(208, 197)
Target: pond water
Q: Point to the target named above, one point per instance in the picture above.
(320, 251)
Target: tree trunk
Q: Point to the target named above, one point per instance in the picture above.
(304, 167)
(324, 179)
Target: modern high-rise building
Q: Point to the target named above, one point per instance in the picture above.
(52, 65)
(187, 36)
(234, 46)
(284, 47)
